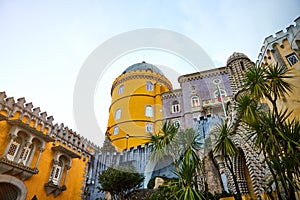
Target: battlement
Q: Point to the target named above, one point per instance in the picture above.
(25, 112)
(288, 34)
(141, 74)
(172, 94)
(31, 116)
(202, 74)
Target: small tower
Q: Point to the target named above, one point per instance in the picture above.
(136, 106)
(237, 65)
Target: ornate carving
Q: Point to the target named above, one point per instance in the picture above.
(17, 168)
(55, 189)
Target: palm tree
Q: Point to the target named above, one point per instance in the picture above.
(271, 131)
(161, 143)
(189, 165)
(182, 147)
(227, 149)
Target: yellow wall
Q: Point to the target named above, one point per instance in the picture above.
(133, 103)
(35, 184)
(4, 137)
(292, 101)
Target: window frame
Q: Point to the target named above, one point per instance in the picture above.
(193, 101)
(149, 86)
(118, 114)
(175, 107)
(290, 61)
(148, 111)
(16, 150)
(121, 89)
(116, 130)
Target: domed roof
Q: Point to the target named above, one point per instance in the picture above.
(143, 66)
(236, 55)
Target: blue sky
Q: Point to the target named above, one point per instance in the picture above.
(43, 44)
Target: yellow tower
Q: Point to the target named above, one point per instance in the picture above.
(136, 106)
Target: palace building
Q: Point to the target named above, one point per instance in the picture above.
(42, 160)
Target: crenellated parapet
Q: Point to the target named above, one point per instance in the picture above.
(26, 113)
(30, 118)
(204, 74)
(174, 94)
(291, 33)
(69, 139)
(141, 74)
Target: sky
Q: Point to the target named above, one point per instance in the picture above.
(44, 44)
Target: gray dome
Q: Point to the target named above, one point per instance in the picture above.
(143, 66)
(236, 55)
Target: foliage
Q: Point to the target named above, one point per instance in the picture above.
(161, 142)
(151, 182)
(164, 192)
(273, 131)
(182, 147)
(119, 181)
(227, 149)
(139, 194)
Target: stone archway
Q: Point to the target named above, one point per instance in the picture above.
(242, 174)
(12, 188)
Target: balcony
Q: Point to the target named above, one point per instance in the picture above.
(14, 168)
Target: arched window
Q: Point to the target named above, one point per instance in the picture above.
(149, 86)
(149, 127)
(195, 101)
(13, 149)
(149, 111)
(121, 89)
(25, 154)
(175, 107)
(56, 172)
(118, 114)
(116, 130)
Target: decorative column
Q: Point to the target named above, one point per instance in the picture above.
(67, 172)
(39, 157)
(12, 138)
(25, 152)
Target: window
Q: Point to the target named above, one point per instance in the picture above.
(175, 107)
(118, 114)
(121, 89)
(149, 111)
(116, 130)
(13, 149)
(56, 172)
(149, 127)
(195, 101)
(149, 86)
(292, 58)
(242, 65)
(24, 155)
